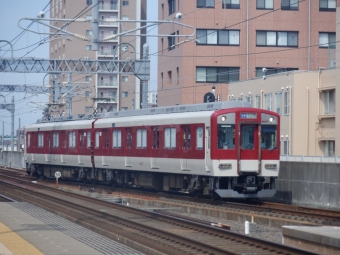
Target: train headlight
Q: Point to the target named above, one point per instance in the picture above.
(271, 119)
(223, 118)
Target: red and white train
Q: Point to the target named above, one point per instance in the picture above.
(223, 148)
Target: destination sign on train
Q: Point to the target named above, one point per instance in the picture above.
(248, 116)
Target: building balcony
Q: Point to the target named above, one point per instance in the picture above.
(108, 23)
(102, 36)
(106, 53)
(106, 7)
(108, 84)
(107, 100)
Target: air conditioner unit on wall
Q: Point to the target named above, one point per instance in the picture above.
(333, 64)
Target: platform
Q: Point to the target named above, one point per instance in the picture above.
(322, 240)
(26, 229)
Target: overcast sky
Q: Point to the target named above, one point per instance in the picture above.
(29, 107)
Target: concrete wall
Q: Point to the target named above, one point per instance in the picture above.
(307, 183)
(18, 160)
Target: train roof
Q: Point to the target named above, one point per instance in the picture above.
(152, 111)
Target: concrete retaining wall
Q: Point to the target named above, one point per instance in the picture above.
(17, 160)
(307, 183)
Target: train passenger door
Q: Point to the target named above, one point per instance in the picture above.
(249, 150)
(128, 146)
(155, 147)
(185, 146)
(207, 150)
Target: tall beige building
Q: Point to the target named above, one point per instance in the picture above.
(236, 39)
(111, 92)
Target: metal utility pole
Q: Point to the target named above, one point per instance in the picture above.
(69, 95)
(18, 140)
(146, 76)
(95, 25)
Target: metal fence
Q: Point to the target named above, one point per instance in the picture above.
(318, 159)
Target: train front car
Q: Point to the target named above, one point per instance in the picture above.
(245, 152)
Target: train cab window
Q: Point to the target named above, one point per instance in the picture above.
(199, 138)
(226, 136)
(28, 140)
(40, 140)
(97, 139)
(247, 137)
(88, 139)
(170, 138)
(155, 137)
(128, 138)
(141, 138)
(81, 138)
(186, 137)
(72, 139)
(63, 138)
(117, 138)
(55, 143)
(269, 137)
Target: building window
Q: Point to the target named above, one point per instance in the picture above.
(218, 37)
(88, 17)
(231, 4)
(125, 3)
(257, 101)
(88, 32)
(170, 138)
(177, 71)
(117, 138)
(125, 17)
(55, 143)
(217, 74)
(328, 101)
(278, 102)
(289, 4)
(268, 102)
(328, 148)
(250, 99)
(285, 147)
(125, 94)
(124, 108)
(88, 47)
(276, 38)
(113, 5)
(169, 77)
(41, 140)
(327, 40)
(264, 4)
(271, 71)
(88, 2)
(171, 41)
(141, 138)
(125, 78)
(205, 3)
(327, 5)
(88, 93)
(88, 109)
(88, 78)
(286, 103)
(72, 139)
(172, 6)
(162, 79)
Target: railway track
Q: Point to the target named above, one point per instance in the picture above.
(165, 234)
(306, 215)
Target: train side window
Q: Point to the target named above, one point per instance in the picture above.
(106, 138)
(170, 138)
(199, 138)
(141, 138)
(72, 139)
(28, 140)
(155, 137)
(88, 139)
(186, 137)
(226, 136)
(40, 140)
(55, 143)
(128, 138)
(97, 139)
(117, 138)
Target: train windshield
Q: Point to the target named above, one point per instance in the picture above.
(226, 136)
(269, 137)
